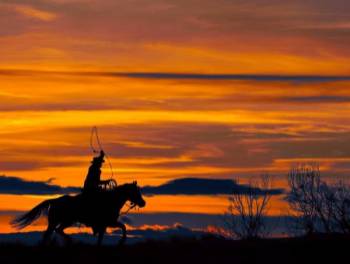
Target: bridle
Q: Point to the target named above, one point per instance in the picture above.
(130, 207)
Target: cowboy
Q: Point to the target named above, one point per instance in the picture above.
(93, 179)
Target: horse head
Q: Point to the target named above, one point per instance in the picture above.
(134, 194)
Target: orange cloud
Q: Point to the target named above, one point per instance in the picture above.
(36, 13)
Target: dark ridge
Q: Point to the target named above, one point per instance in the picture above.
(200, 186)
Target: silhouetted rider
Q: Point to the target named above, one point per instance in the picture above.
(93, 179)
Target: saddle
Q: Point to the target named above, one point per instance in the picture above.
(95, 203)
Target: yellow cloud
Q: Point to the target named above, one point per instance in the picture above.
(28, 120)
(32, 12)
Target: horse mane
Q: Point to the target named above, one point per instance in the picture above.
(124, 186)
(119, 188)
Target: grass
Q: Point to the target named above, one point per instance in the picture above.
(318, 249)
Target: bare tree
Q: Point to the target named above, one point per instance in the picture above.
(247, 210)
(318, 206)
(340, 200)
(304, 182)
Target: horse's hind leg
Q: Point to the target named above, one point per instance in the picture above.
(60, 230)
(48, 233)
(101, 233)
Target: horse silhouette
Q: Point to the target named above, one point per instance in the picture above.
(98, 210)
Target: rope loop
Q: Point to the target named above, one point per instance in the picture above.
(94, 131)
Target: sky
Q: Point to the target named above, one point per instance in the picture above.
(225, 89)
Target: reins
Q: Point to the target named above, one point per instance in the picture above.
(130, 207)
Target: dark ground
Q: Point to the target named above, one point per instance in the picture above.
(320, 249)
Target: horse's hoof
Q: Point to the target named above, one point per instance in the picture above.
(121, 242)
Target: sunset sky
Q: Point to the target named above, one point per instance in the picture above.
(221, 89)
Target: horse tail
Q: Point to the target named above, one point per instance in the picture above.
(28, 218)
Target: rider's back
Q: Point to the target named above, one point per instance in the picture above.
(93, 178)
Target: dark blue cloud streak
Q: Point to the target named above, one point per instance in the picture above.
(15, 185)
(186, 76)
(185, 186)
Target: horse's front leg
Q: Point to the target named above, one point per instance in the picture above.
(123, 228)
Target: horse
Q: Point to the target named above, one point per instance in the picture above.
(98, 210)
